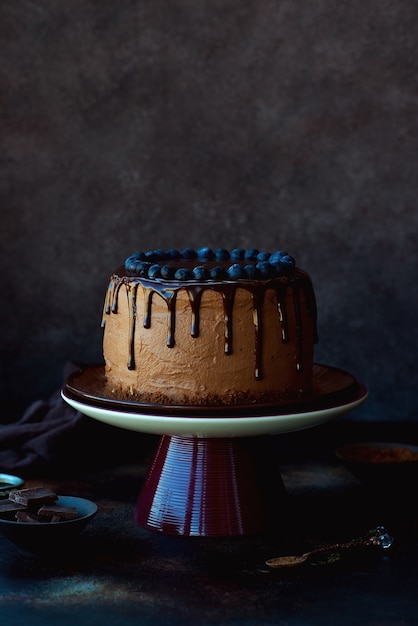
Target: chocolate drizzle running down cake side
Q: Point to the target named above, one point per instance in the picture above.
(227, 291)
(165, 274)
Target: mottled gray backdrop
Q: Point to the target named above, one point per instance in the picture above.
(136, 124)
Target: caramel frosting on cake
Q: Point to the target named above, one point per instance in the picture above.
(209, 328)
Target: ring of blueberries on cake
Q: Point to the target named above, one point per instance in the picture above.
(209, 327)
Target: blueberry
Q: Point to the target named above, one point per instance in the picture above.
(136, 256)
(130, 263)
(265, 269)
(221, 254)
(188, 253)
(132, 260)
(287, 262)
(263, 256)
(251, 271)
(167, 272)
(277, 268)
(201, 273)
(183, 274)
(154, 271)
(237, 253)
(204, 254)
(172, 253)
(142, 268)
(236, 271)
(155, 255)
(276, 256)
(251, 254)
(217, 273)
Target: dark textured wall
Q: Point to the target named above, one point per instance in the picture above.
(140, 124)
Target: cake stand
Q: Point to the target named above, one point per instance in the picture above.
(214, 472)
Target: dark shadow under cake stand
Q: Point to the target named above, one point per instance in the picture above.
(213, 473)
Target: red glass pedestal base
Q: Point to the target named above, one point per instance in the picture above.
(211, 487)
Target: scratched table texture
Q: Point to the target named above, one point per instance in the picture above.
(120, 573)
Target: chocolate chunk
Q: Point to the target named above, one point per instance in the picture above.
(58, 511)
(8, 509)
(36, 505)
(26, 516)
(32, 496)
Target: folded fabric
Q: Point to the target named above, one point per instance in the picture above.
(39, 438)
(52, 436)
(36, 439)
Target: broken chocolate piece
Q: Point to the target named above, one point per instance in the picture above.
(26, 516)
(8, 509)
(58, 511)
(36, 505)
(32, 496)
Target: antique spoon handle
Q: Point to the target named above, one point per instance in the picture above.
(378, 537)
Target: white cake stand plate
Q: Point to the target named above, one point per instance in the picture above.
(213, 473)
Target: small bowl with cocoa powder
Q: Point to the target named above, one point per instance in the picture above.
(380, 463)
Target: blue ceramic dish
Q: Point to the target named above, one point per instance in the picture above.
(46, 537)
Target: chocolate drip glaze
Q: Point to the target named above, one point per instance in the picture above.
(170, 296)
(168, 290)
(258, 330)
(132, 291)
(194, 298)
(228, 296)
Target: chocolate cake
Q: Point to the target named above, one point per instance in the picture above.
(209, 327)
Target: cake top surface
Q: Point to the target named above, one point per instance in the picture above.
(206, 264)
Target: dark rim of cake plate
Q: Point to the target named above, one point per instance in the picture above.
(332, 387)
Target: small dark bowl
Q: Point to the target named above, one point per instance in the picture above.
(48, 537)
(381, 464)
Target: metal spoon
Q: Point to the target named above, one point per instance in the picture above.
(377, 537)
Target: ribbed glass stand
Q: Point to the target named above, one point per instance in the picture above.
(211, 487)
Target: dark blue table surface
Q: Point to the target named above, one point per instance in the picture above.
(120, 573)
